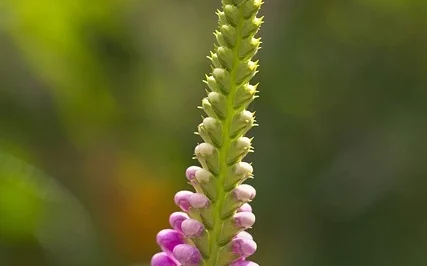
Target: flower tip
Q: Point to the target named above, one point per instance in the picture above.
(245, 192)
(244, 247)
(187, 255)
(162, 259)
(245, 208)
(176, 219)
(182, 199)
(244, 219)
(190, 173)
(168, 239)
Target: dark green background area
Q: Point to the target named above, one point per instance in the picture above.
(98, 107)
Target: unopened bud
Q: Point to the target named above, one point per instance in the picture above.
(214, 130)
(239, 148)
(218, 103)
(232, 14)
(168, 239)
(244, 96)
(251, 7)
(162, 259)
(241, 123)
(229, 34)
(245, 71)
(222, 78)
(207, 156)
(182, 199)
(187, 255)
(176, 219)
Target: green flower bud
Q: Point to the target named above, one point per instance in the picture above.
(212, 83)
(245, 71)
(251, 26)
(221, 17)
(214, 59)
(248, 48)
(245, 95)
(229, 34)
(207, 107)
(220, 38)
(218, 103)
(207, 183)
(237, 174)
(241, 123)
(222, 78)
(214, 130)
(239, 148)
(225, 56)
(207, 155)
(251, 7)
(232, 15)
(203, 133)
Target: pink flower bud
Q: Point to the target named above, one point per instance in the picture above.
(176, 219)
(182, 199)
(198, 201)
(190, 173)
(168, 239)
(244, 193)
(245, 208)
(244, 235)
(192, 228)
(187, 255)
(243, 247)
(162, 259)
(244, 219)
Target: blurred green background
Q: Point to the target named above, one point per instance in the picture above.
(98, 107)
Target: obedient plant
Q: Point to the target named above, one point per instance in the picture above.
(210, 228)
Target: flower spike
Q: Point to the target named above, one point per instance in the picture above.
(210, 229)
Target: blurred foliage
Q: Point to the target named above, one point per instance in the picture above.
(102, 96)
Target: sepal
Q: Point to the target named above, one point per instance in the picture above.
(241, 123)
(207, 183)
(218, 103)
(234, 225)
(207, 156)
(251, 8)
(245, 95)
(251, 26)
(225, 57)
(245, 71)
(197, 233)
(232, 14)
(240, 195)
(237, 174)
(222, 78)
(239, 148)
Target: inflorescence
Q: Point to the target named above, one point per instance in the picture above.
(210, 228)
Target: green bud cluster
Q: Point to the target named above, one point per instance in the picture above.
(228, 120)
